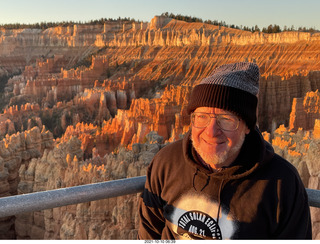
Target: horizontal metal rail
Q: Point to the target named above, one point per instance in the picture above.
(313, 197)
(71, 195)
(38, 201)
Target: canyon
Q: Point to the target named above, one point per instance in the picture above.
(91, 103)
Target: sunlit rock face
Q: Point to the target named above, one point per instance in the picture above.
(16, 151)
(305, 112)
(162, 52)
(299, 143)
(63, 166)
(91, 103)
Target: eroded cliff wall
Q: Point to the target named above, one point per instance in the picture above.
(164, 52)
(107, 98)
(115, 218)
(17, 150)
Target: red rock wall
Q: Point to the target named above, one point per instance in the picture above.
(115, 218)
(301, 148)
(305, 111)
(16, 150)
(136, 88)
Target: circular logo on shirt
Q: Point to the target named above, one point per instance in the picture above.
(198, 225)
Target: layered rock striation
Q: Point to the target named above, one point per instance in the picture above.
(111, 95)
(164, 52)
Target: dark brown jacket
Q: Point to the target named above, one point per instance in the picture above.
(260, 196)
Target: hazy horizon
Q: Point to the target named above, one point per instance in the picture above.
(241, 13)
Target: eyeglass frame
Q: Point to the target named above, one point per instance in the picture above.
(216, 116)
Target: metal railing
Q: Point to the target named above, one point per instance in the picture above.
(71, 195)
(85, 193)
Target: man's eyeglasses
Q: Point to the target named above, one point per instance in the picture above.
(226, 122)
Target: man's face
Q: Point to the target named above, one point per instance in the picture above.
(215, 146)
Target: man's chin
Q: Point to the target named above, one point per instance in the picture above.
(211, 154)
(214, 160)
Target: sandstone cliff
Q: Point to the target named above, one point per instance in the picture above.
(165, 52)
(77, 41)
(16, 151)
(108, 96)
(299, 143)
(63, 166)
(305, 111)
(302, 149)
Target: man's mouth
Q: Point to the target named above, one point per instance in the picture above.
(213, 142)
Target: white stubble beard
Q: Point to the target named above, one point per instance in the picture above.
(219, 159)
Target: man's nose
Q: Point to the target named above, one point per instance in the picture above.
(213, 129)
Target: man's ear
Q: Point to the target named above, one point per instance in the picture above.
(247, 131)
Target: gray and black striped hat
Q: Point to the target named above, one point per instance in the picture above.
(233, 87)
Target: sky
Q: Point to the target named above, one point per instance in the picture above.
(303, 13)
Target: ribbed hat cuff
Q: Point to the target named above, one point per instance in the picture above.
(240, 102)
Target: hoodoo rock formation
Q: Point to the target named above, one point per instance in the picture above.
(90, 103)
(16, 152)
(305, 111)
(302, 149)
(64, 167)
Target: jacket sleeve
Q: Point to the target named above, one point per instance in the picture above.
(151, 208)
(294, 216)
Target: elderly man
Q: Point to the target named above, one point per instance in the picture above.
(223, 180)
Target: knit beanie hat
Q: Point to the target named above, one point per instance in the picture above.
(232, 87)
